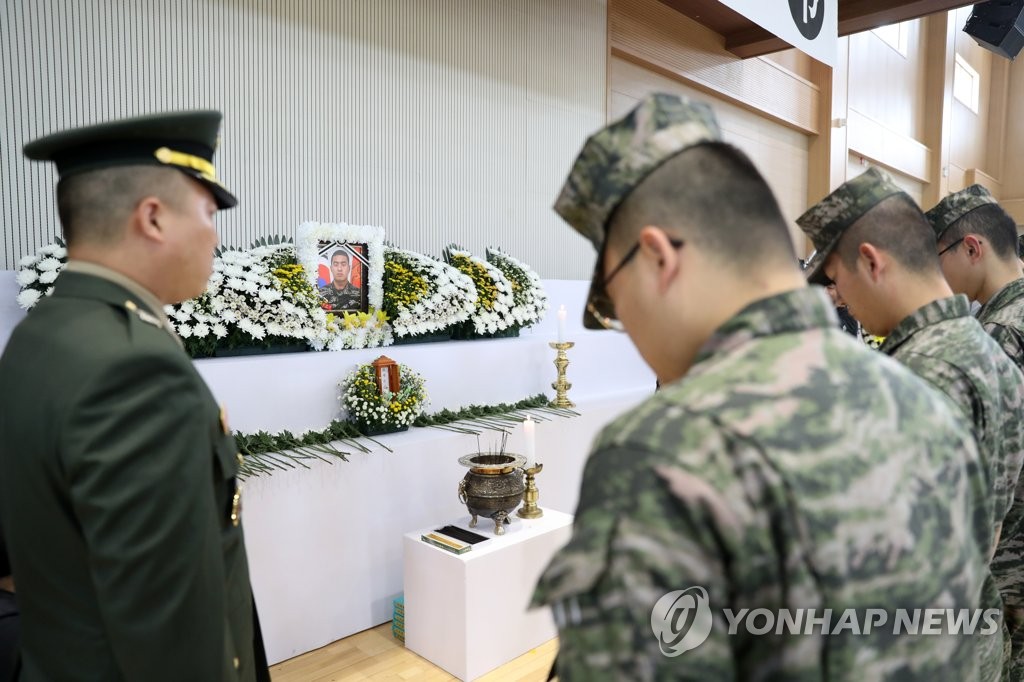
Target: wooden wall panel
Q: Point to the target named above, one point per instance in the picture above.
(971, 130)
(658, 38)
(887, 86)
(438, 119)
(779, 152)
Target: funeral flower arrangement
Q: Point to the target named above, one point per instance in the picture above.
(36, 273)
(265, 297)
(494, 300)
(255, 297)
(422, 295)
(530, 301)
(373, 410)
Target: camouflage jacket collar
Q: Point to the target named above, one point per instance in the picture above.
(1011, 292)
(792, 311)
(925, 316)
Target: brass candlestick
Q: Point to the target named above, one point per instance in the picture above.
(561, 386)
(530, 510)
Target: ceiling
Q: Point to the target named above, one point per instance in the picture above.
(746, 39)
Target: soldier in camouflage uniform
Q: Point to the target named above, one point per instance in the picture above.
(781, 465)
(977, 244)
(872, 240)
(340, 293)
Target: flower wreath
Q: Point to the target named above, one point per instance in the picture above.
(36, 273)
(422, 295)
(531, 301)
(370, 410)
(494, 300)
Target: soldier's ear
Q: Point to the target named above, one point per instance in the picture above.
(146, 219)
(974, 246)
(872, 260)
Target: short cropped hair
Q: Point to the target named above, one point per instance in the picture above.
(339, 252)
(94, 206)
(991, 222)
(897, 226)
(713, 195)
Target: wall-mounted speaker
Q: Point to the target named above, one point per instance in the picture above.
(998, 25)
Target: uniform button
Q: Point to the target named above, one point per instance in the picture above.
(236, 662)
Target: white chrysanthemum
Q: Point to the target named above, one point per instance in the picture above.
(49, 264)
(219, 330)
(49, 250)
(237, 283)
(26, 277)
(269, 295)
(201, 330)
(184, 331)
(28, 298)
(48, 277)
(27, 261)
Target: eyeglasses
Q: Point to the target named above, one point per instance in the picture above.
(631, 254)
(950, 246)
(607, 321)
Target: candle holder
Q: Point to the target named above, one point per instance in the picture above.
(530, 510)
(562, 386)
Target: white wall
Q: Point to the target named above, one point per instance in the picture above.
(442, 120)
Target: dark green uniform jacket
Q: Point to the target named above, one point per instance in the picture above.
(117, 495)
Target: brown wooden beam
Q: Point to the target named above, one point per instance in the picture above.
(856, 16)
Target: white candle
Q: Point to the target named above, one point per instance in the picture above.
(531, 452)
(561, 323)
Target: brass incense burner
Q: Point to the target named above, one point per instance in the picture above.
(493, 487)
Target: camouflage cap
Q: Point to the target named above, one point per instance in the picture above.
(956, 206)
(616, 159)
(825, 222)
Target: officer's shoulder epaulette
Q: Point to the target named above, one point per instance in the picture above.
(143, 315)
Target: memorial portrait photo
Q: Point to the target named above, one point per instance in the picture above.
(342, 276)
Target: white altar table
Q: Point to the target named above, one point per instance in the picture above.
(468, 613)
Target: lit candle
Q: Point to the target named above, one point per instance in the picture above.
(531, 455)
(561, 323)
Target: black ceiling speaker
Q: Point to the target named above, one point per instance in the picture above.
(998, 25)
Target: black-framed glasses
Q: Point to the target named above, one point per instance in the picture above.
(603, 303)
(950, 246)
(631, 254)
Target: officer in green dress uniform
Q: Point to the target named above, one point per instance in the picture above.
(119, 502)
(340, 293)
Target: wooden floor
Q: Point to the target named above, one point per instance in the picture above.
(375, 655)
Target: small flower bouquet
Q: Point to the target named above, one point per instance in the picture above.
(354, 330)
(423, 295)
(36, 273)
(494, 302)
(530, 301)
(376, 411)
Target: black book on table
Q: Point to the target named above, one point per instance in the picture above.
(461, 534)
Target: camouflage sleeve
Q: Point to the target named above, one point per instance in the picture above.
(954, 383)
(1009, 340)
(634, 543)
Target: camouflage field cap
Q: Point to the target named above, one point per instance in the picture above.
(825, 222)
(956, 206)
(183, 140)
(615, 160)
